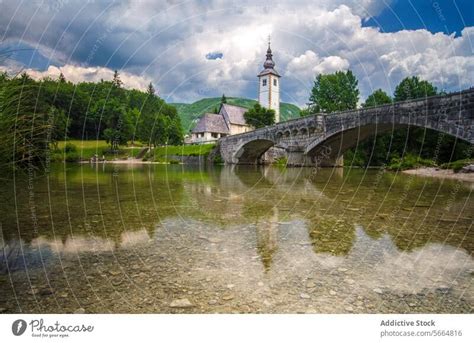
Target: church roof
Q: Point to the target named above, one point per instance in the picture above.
(269, 71)
(233, 114)
(210, 122)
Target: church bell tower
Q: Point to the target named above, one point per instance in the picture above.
(269, 85)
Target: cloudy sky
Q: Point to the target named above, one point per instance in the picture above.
(192, 49)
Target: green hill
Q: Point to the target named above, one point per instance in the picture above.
(189, 113)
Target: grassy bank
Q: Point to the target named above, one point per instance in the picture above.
(168, 154)
(77, 150)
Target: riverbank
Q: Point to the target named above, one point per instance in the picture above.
(441, 173)
(136, 153)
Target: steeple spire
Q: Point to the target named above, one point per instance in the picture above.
(269, 64)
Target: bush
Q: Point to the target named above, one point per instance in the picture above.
(410, 161)
(69, 147)
(456, 166)
(281, 161)
(218, 159)
(173, 162)
(72, 157)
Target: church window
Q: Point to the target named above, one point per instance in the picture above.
(275, 82)
(264, 82)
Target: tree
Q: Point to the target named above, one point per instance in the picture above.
(116, 80)
(305, 112)
(118, 127)
(259, 116)
(150, 89)
(334, 92)
(223, 99)
(378, 97)
(25, 126)
(413, 88)
(61, 78)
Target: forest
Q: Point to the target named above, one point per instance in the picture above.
(35, 115)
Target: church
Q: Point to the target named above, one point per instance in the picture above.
(230, 118)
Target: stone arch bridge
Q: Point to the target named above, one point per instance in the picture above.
(320, 140)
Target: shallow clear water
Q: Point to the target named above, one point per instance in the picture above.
(128, 239)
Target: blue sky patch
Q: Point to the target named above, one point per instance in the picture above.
(447, 16)
(214, 55)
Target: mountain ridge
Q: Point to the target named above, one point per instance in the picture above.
(190, 113)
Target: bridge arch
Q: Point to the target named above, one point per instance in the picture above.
(326, 149)
(250, 152)
(306, 137)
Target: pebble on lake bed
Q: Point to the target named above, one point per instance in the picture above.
(181, 303)
(228, 297)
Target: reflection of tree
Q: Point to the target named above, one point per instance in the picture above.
(88, 202)
(331, 234)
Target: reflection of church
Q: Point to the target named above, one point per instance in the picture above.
(230, 118)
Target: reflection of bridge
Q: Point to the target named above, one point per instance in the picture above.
(321, 139)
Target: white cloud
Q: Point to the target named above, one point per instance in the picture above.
(309, 64)
(168, 43)
(77, 74)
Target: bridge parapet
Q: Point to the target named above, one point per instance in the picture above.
(452, 114)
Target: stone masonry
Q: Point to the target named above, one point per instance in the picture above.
(321, 140)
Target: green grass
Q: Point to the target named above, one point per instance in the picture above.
(410, 161)
(76, 150)
(163, 154)
(190, 113)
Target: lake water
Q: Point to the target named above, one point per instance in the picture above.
(174, 239)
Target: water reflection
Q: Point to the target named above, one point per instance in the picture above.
(337, 232)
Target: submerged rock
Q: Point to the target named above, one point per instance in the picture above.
(181, 303)
(45, 291)
(228, 297)
(378, 290)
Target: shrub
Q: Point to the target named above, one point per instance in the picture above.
(456, 166)
(72, 157)
(69, 147)
(410, 161)
(218, 159)
(281, 161)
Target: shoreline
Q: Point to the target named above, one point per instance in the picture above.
(441, 173)
(130, 161)
(428, 171)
